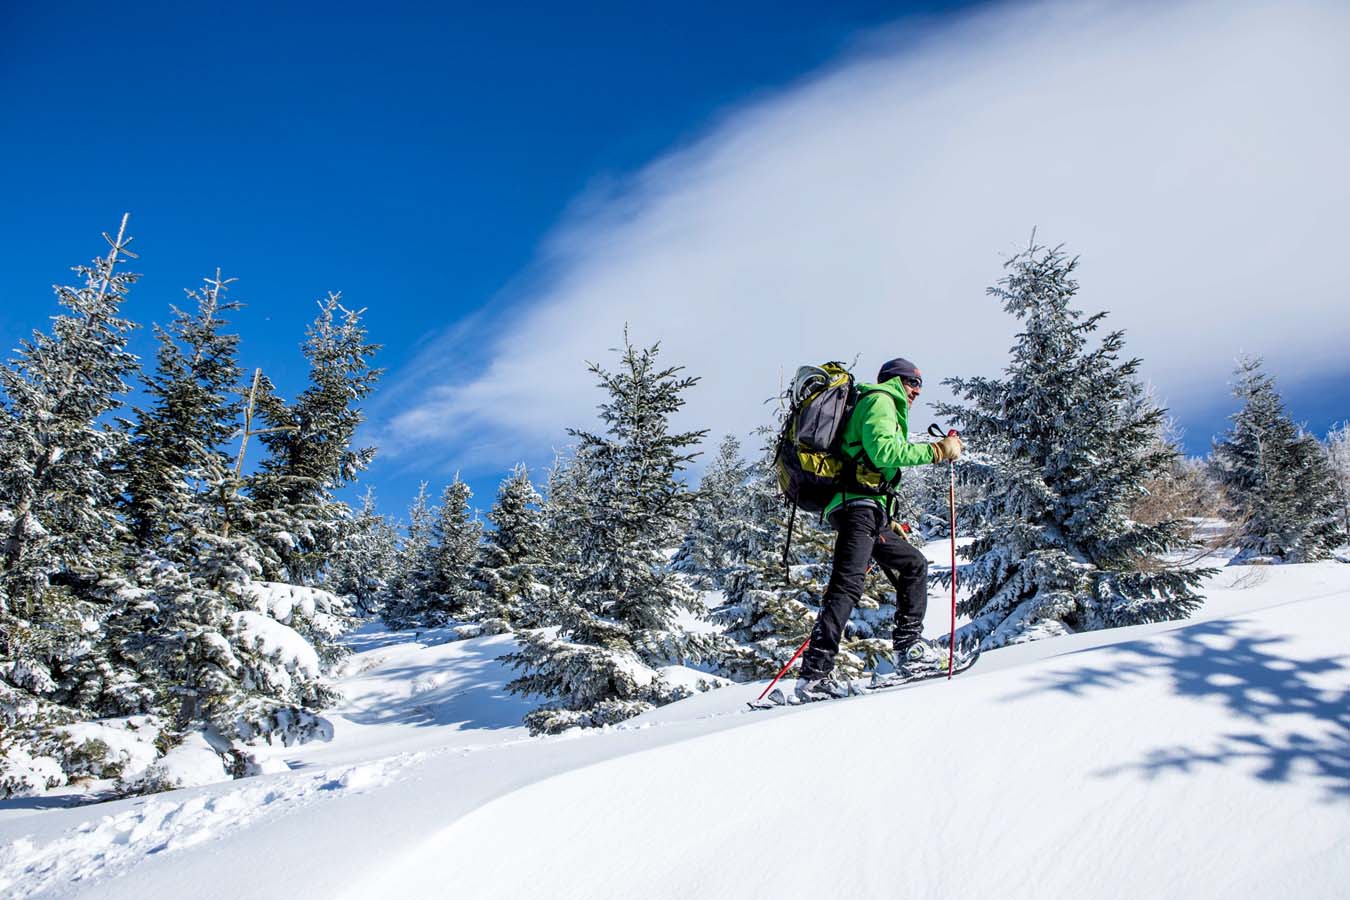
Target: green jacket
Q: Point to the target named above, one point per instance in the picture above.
(880, 425)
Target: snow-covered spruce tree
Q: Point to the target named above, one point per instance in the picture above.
(58, 516)
(1278, 478)
(177, 459)
(509, 570)
(366, 559)
(717, 528)
(600, 666)
(309, 447)
(569, 495)
(457, 535)
(409, 588)
(239, 660)
(1338, 453)
(172, 606)
(1068, 443)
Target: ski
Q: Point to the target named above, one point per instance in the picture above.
(963, 662)
(776, 698)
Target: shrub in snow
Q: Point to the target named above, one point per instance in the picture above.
(1064, 443)
(110, 748)
(619, 622)
(193, 761)
(23, 775)
(317, 615)
(1278, 478)
(241, 659)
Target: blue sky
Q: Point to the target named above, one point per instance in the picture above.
(468, 171)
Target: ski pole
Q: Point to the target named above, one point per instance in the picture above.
(783, 671)
(936, 431)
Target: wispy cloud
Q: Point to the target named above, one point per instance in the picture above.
(1194, 154)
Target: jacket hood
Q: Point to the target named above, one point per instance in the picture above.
(895, 388)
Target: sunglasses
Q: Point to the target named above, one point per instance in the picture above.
(916, 383)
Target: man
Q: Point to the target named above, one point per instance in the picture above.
(876, 438)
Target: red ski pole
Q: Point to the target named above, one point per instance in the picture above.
(783, 671)
(936, 431)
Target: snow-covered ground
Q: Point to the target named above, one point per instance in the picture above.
(1205, 758)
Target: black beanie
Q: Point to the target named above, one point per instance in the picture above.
(900, 368)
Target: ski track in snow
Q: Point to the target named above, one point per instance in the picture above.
(165, 824)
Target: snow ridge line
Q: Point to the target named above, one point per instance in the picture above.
(114, 844)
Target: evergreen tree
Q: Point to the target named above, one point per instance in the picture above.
(223, 652)
(620, 624)
(456, 535)
(176, 461)
(58, 512)
(55, 448)
(509, 571)
(717, 529)
(410, 586)
(435, 579)
(1068, 443)
(309, 447)
(366, 558)
(569, 497)
(1277, 477)
(1338, 454)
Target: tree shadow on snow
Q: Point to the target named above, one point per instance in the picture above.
(375, 635)
(1235, 665)
(57, 801)
(469, 696)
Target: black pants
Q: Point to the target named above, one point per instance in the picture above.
(864, 534)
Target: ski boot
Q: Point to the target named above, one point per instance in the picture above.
(809, 690)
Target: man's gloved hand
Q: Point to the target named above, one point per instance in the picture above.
(948, 448)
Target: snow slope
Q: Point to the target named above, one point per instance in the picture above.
(1207, 758)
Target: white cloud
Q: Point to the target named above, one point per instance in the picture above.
(1194, 154)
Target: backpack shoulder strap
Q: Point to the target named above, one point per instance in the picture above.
(888, 486)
